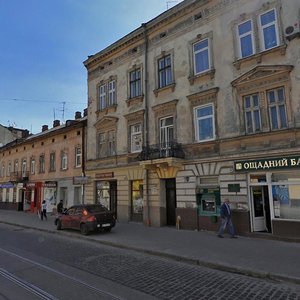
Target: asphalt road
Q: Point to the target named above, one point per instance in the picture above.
(39, 265)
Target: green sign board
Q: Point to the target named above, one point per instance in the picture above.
(268, 164)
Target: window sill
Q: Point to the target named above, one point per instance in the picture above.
(107, 110)
(135, 100)
(170, 88)
(210, 74)
(257, 58)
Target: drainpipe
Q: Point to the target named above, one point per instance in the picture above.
(146, 120)
(84, 126)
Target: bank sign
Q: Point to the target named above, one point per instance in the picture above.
(268, 164)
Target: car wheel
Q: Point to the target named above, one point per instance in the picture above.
(83, 229)
(107, 229)
(58, 225)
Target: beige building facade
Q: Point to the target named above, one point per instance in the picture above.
(45, 166)
(195, 106)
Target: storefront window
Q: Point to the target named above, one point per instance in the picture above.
(137, 196)
(102, 191)
(286, 195)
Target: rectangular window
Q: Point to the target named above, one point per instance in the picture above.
(245, 39)
(16, 166)
(32, 167)
(42, 164)
(78, 157)
(204, 121)
(135, 83)
(101, 145)
(269, 30)
(136, 137)
(201, 57)
(166, 132)
(252, 113)
(277, 110)
(102, 96)
(64, 160)
(24, 167)
(111, 143)
(165, 71)
(9, 169)
(111, 93)
(52, 161)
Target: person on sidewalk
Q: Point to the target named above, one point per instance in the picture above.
(44, 210)
(225, 213)
(60, 207)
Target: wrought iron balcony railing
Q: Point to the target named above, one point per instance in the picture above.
(19, 176)
(164, 150)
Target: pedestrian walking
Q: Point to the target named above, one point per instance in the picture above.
(44, 210)
(226, 221)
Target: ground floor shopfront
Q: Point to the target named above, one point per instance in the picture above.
(264, 193)
(28, 196)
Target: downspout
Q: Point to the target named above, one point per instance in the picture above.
(84, 125)
(146, 119)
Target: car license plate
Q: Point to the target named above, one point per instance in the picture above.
(106, 225)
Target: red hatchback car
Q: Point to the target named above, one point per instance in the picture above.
(86, 218)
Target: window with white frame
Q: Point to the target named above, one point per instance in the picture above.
(102, 96)
(3, 170)
(246, 39)
(204, 123)
(269, 30)
(166, 131)
(136, 137)
(111, 93)
(9, 169)
(16, 166)
(135, 83)
(277, 108)
(165, 71)
(64, 160)
(24, 167)
(32, 166)
(78, 157)
(52, 161)
(42, 164)
(252, 113)
(111, 145)
(107, 94)
(201, 53)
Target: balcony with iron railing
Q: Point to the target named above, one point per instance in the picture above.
(163, 150)
(19, 176)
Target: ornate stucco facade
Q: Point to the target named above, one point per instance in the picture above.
(179, 104)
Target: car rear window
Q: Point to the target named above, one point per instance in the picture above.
(96, 209)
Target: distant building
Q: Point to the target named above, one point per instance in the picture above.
(45, 166)
(9, 134)
(195, 106)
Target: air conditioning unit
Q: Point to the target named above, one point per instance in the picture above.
(292, 31)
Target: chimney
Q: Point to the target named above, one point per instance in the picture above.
(56, 123)
(85, 112)
(77, 115)
(25, 133)
(44, 128)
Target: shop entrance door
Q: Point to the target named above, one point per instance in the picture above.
(260, 208)
(171, 201)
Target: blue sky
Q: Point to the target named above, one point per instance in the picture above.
(43, 44)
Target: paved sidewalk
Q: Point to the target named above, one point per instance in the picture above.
(246, 255)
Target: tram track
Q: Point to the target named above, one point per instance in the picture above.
(60, 275)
